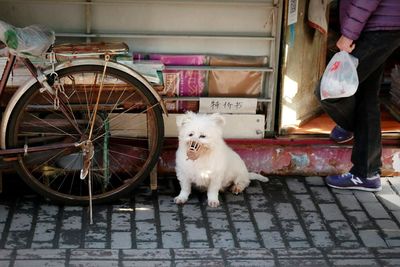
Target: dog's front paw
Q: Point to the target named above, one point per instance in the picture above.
(180, 200)
(213, 203)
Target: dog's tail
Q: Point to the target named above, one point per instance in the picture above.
(259, 177)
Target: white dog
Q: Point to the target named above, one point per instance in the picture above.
(204, 159)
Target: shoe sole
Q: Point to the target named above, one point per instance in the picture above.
(357, 188)
(343, 141)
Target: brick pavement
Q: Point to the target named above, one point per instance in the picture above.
(281, 223)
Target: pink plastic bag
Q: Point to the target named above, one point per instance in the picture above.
(340, 77)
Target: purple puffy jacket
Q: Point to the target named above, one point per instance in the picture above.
(368, 15)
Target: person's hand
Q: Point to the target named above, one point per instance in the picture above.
(345, 44)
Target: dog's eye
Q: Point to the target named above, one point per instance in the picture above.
(191, 134)
(202, 136)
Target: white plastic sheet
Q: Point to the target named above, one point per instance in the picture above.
(33, 40)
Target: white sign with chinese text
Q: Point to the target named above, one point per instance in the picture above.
(292, 11)
(228, 105)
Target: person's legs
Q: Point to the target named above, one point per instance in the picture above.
(367, 148)
(361, 113)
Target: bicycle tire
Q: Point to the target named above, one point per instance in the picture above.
(121, 156)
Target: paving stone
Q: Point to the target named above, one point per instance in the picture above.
(222, 239)
(191, 212)
(5, 263)
(388, 252)
(313, 221)
(195, 232)
(342, 231)
(121, 240)
(395, 183)
(302, 262)
(166, 203)
(47, 212)
(96, 234)
(356, 262)
(258, 202)
(185, 263)
(249, 244)
(386, 188)
(238, 212)
(322, 239)
(315, 180)
(237, 254)
(393, 242)
(293, 230)
(150, 263)
(21, 222)
(92, 263)
(265, 221)
(305, 203)
(299, 244)
(359, 219)
(299, 253)
(296, 186)
(40, 254)
(348, 202)
(254, 188)
(391, 262)
(17, 240)
(121, 221)
(245, 231)
(4, 210)
(233, 198)
(371, 238)
(172, 240)
(389, 228)
(39, 263)
(144, 212)
(339, 253)
(390, 201)
(376, 210)
(197, 254)
(70, 239)
(96, 245)
(322, 194)
(145, 254)
(285, 211)
(199, 244)
(218, 220)
(272, 239)
(44, 232)
(365, 197)
(331, 212)
(169, 221)
(146, 231)
(241, 263)
(72, 222)
(94, 254)
(146, 245)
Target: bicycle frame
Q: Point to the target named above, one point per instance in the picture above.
(40, 77)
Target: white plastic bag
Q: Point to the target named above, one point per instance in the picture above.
(340, 78)
(33, 40)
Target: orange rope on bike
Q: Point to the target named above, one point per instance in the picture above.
(107, 58)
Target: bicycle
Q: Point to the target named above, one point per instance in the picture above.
(87, 129)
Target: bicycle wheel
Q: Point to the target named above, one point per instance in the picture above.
(118, 146)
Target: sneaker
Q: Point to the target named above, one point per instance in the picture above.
(350, 181)
(340, 135)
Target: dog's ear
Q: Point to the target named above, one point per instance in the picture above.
(218, 118)
(184, 119)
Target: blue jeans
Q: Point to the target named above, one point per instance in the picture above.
(360, 113)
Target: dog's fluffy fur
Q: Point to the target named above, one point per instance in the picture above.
(216, 166)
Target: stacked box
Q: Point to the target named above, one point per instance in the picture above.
(241, 83)
(180, 82)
